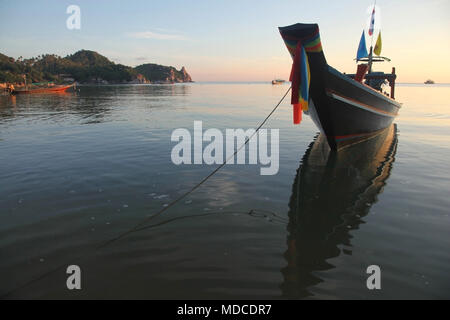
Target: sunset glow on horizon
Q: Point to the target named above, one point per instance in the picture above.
(230, 40)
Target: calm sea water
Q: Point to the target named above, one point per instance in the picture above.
(79, 169)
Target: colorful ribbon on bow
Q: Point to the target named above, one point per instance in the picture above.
(300, 78)
(300, 72)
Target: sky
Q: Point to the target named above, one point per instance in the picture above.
(231, 40)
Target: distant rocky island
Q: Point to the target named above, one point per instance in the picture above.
(156, 73)
(85, 67)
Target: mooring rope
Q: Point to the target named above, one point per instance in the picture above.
(141, 225)
(184, 195)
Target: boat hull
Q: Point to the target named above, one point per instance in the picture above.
(43, 90)
(348, 112)
(345, 110)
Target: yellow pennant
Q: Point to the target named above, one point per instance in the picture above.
(377, 49)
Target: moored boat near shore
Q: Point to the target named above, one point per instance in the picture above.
(53, 89)
(344, 107)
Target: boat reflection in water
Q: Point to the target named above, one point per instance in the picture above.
(331, 193)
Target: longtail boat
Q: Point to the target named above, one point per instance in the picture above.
(54, 89)
(347, 108)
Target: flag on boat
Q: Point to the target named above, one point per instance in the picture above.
(372, 22)
(378, 46)
(299, 47)
(300, 78)
(362, 48)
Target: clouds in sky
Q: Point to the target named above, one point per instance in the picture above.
(156, 36)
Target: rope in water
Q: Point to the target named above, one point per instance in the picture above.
(141, 225)
(143, 222)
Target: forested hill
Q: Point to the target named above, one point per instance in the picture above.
(84, 67)
(157, 73)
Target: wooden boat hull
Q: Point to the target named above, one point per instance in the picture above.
(348, 112)
(57, 89)
(345, 110)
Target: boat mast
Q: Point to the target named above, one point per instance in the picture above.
(371, 41)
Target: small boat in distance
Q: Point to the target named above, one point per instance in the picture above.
(51, 89)
(278, 81)
(347, 108)
(429, 81)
